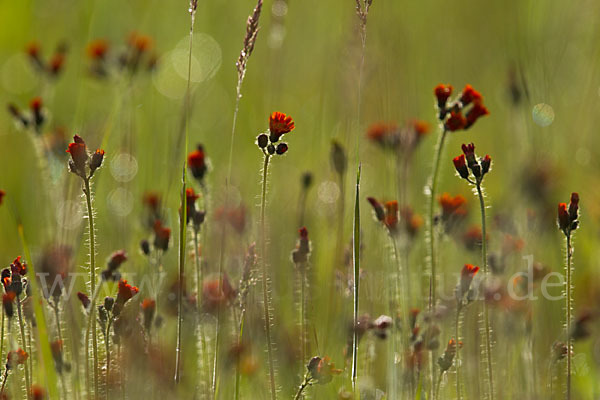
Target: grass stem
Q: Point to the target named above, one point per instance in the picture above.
(484, 261)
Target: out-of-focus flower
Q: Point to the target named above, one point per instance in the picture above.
(196, 161)
(322, 370)
(162, 236)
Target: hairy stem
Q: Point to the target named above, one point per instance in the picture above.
(92, 244)
(180, 286)
(107, 344)
(263, 239)
(303, 386)
(433, 182)
(24, 343)
(484, 261)
(457, 357)
(568, 315)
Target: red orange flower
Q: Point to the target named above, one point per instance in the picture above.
(279, 124)
(391, 215)
(17, 267)
(455, 122)
(126, 291)
(469, 95)
(197, 163)
(2, 194)
(461, 166)
(161, 236)
(442, 93)
(477, 111)
(79, 155)
(97, 49)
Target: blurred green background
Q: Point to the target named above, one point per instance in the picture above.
(306, 64)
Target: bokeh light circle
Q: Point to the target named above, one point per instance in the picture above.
(123, 167)
(543, 114)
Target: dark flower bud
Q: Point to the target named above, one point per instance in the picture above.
(461, 166)
(445, 361)
(109, 302)
(85, 300)
(271, 149)
(485, 163)
(469, 150)
(338, 158)
(377, 207)
(281, 148)
(564, 221)
(145, 247)
(96, 160)
(574, 206)
(307, 179)
(7, 303)
(262, 140)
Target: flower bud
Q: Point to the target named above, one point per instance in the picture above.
(262, 140)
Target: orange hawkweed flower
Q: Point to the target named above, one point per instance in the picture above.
(197, 163)
(461, 166)
(139, 42)
(97, 49)
(126, 291)
(17, 267)
(16, 357)
(37, 392)
(391, 215)
(568, 216)
(455, 122)
(564, 221)
(79, 155)
(467, 274)
(442, 93)
(2, 194)
(279, 124)
(478, 110)
(380, 131)
(451, 204)
(469, 95)
(161, 236)
(322, 370)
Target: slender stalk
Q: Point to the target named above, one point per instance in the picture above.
(433, 181)
(356, 262)
(24, 342)
(218, 324)
(92, 244)
(568, 315)
(263, 239)
(302, 268)
(107, 344)
(484, 261)
(303, 386)
(237, 364)
(182, 243)
(457, 357)
(4, 381)
(431, 236)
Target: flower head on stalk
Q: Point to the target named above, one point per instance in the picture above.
(464, 288)
(82, 163)
(461, 113)
(302, 251)
(193, 214)
(568, 216)
(387, 213)
(279, 125)
(321, 370)
(197, 163)
(469, 167)
(445, 360)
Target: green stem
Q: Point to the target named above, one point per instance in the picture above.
(237, 364)
(267, 314)
(433, 182)
(24, 343)
(457, 357)
(430, 227)
(568, 315)
(182, 243)
(92, 244)
(107, 343)
(484, 260)
(303, 386)
(356, 262)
